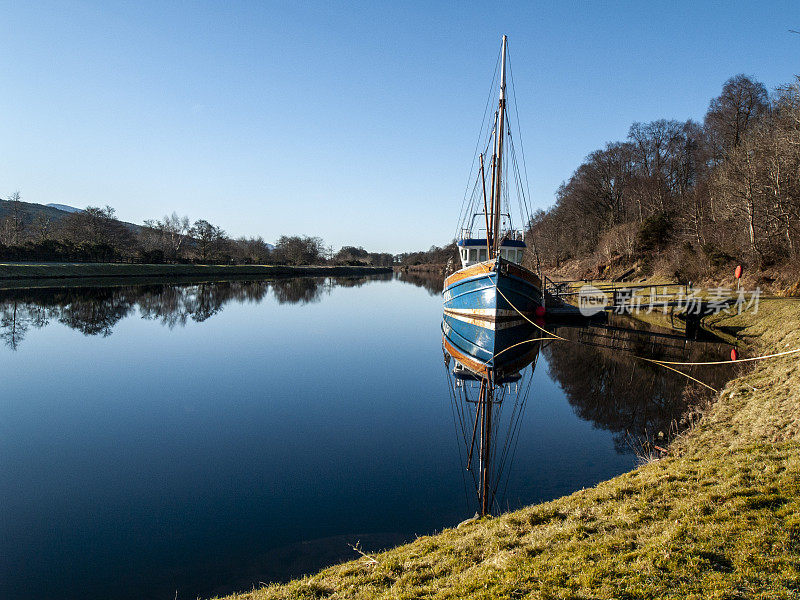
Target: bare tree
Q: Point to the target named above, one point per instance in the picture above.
(42, 227)
(168, 235)
(98, 226)
(208, 238)
(12, 228)
(742, 103)
(299, 250)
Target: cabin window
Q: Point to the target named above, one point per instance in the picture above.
(473, 254)
(482, 254)
(504, 253)
(519, 255)
(463, 254)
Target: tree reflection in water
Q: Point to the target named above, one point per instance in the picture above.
(96, 310)
(609, 386)
(430, 280)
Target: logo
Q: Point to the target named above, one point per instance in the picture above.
(591, 300)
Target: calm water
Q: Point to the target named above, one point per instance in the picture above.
(201, 438)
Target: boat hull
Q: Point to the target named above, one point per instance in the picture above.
(485, 310)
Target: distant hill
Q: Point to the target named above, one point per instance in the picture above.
(54, 212)
(29, 211)
(65, 208)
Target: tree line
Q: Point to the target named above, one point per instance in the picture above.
(435, 255)
(96, 235)
(96, 311)
(688, 196)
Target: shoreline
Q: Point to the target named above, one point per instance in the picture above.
(717, 517)
(10, 272)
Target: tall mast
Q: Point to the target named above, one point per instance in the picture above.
(486, 446)
(498, 166)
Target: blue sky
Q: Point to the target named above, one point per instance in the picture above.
(352, 121)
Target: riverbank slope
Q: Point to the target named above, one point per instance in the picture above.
(719, 517)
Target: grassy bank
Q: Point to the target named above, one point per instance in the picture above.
(120, 270)
(719, 517)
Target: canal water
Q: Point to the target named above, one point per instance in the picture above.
(195, 439)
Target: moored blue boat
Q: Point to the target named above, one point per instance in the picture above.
(492, 294)
(486, 310)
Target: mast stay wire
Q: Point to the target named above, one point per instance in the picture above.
(475, 199)
(528, 223)
(518, 427)
(480, 135)
(519, 133)
(454, 402)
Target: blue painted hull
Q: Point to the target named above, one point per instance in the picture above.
(482, 322)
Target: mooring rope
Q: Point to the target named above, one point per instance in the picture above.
(530, 341)
(511, 304)
(650, 360)
(730, 362)
(662, 363)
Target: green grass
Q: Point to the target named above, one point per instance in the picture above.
(718, 518)
(66, 270)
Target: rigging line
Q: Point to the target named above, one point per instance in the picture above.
(470, 208)
(523, 207)
(494, 472)
(472, 472)
(508, 439)
(531, 371)
(481, 401)
(477, 144)
(460, 414)
(521, 189)
(522, 204)
(475, 198)
(480, 132)
(519, 129)
(522, 184)
(521, 400)
(460, 458)
(466, 412)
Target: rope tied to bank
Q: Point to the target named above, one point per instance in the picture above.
(662, 363)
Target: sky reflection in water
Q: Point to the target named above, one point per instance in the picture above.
(205, 437)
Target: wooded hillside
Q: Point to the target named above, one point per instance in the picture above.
(686, 198)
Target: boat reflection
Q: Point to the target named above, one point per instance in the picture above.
(598, 365)
(483, 385)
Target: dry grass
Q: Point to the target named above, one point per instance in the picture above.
(719, 518)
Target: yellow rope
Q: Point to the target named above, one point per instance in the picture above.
(523, 342)
(729, 362)
(661, 364)
(554, 336)
(550, 333)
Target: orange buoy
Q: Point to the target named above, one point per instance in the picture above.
(734, 354)
(738, 272)
(540, 311)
